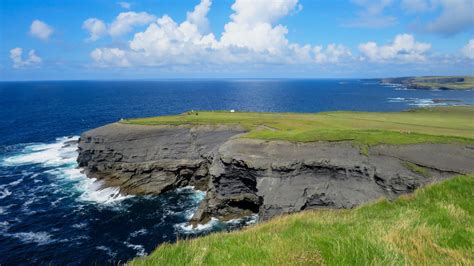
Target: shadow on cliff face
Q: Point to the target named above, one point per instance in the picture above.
(248, 176)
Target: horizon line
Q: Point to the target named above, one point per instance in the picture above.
(226, 78)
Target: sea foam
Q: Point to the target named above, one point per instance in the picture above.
(40, 238)
(59, 159)
(188, 228)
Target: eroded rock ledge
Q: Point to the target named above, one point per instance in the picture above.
(245, 176)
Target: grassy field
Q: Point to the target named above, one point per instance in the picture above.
(435, 125)
(431, 82)
(434, 226)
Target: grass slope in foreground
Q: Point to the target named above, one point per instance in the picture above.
(434, 226)
(434, 125)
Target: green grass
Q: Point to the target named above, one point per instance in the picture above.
(435, 125)
(433, 226)
(468, 83)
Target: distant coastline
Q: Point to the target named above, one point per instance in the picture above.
(433, 82)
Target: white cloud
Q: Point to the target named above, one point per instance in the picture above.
(112, 56)
(404, 48)
(333, 53)
(251, 36)
(457, 16)
(18, 62)
(251, 26)
(415, 6)
(199, 16)
(125, 5)
(468, 49)
(40, 30)
(95, 27)
(127, 20)
(165, 41)
(372, 14)
(122, 24)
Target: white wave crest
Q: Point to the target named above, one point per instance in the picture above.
(53, 154)
(107, 250)
(79, 225)
(189, 228)
(4, 193)
(40, 238)
(139, 248)
(421, 102)
(61, 157)
(248, 220)
(140, 232)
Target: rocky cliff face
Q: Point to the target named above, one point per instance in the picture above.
(246, 176)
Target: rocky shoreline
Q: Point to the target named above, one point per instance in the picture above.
(249, 176)
(431, 83)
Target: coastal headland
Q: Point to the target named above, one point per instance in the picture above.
(276, 163)
(433, 82)
(272, 164)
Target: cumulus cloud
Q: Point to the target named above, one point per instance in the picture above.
(95, 27)
(456, 17)
(18, 62)
(404, 48)
(125, 5)
(252, 35)
(40, 30)
(122, 24)
(252, 25)
(468, 49)
(199, 16)
(372, 14)
(166, 41)
(127, 20)
(112, 56)
(333, 53)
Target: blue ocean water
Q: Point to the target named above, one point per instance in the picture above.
(50, 213)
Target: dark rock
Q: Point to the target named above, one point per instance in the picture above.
(150, 159)
(245, 176)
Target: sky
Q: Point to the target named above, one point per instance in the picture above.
(174, 39)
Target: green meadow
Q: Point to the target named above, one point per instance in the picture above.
(433, 83)
(433, 226)
(432, 125)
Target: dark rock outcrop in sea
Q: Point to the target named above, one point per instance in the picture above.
(245, 176)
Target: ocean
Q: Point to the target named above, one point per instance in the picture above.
(51, 213)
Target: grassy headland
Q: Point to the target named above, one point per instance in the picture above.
(434, 226)
(435, 82)
(433, 125)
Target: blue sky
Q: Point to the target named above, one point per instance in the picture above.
(153, 39)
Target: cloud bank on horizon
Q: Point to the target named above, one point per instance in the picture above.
(256, 37)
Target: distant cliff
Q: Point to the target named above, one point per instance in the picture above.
(435, 82)
(244, 176)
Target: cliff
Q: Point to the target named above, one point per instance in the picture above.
(243, 176)
(434, 82)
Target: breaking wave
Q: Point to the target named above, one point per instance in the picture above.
(424, 102)
(59, 160)
(45, 200)
(40, 238)
(215, 224)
